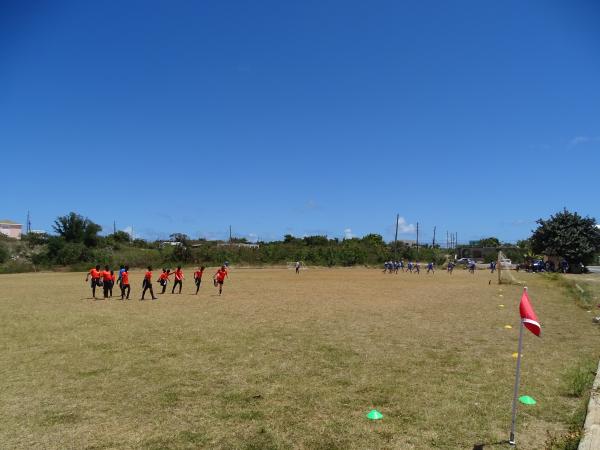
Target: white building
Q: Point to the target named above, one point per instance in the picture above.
(10, 228)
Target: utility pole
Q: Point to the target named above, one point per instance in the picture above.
(114, 227)
(417, 239)
(396, 239)
(433, 242)
(447, 240)
(230, 234)
(28, 223)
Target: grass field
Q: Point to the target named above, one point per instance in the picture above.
(285, 361)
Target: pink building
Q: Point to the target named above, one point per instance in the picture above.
(11, 229)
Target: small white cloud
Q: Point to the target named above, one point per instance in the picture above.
(405, 227)
(579, 140)
(129, 231)
(348, 233)
(311, 204)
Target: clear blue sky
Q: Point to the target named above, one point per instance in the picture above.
(312, 117)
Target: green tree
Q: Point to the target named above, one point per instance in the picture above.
(4, 253)
(489, 242)
(120, 236)
(316, 240)
(569, 235)
(179, 237)
(76, 228)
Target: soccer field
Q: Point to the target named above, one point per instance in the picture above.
(285, 361)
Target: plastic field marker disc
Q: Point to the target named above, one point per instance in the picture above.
(527, 400)
(516, 355)
(508, 327)
(374, 415)
(501, 306)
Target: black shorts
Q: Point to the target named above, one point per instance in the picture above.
(198, 281)
(96, 282)
(220, 282)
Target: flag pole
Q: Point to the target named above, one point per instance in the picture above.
(511, 440)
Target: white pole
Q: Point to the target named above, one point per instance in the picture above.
(511, 441)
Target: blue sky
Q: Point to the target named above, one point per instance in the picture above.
(316, 117)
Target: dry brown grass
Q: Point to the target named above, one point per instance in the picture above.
(283, 361)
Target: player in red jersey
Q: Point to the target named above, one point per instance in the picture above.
(125, 283)
(163, 279)
(198, 278)
(113, 280)
(106, 281)
(147, 284)
(178, 279)
(219, 278)
(94, 274)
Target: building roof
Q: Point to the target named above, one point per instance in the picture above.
(8, 222)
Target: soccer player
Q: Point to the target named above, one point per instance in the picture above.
(147, 284)
(121, 270)
(125, 283)
(112, 282)
(402, 265)
(163, 279)
(492, 266)
(106, 281)
(198, 278)
(564, 266)
(94, 274)
(178, 279)
(418, 268)
(430, 267)
(472, 267)
(409, 267)
(450, 267)
(219, 278)
(297, 267)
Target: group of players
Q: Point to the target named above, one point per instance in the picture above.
(415, 267)
(107, 279)
(411, 267)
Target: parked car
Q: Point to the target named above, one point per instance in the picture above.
(538, 265)
(506, 263)
(464, 261)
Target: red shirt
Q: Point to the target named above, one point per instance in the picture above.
(179, 275)
(221, 274)
(106, 276)
(198, 274)
(164, 276)
(125, 278)
(94, 273)
(113, 277)
(148, 276)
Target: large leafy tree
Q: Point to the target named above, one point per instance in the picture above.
(76, 228)
(569, 235)
(490, 242)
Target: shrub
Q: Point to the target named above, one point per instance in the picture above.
(4, 253)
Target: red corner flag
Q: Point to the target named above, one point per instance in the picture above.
(530, 320)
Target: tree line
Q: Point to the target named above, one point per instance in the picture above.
(76, 243)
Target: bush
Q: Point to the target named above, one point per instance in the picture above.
(4, 253)
(17, 267)
(71, 253)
